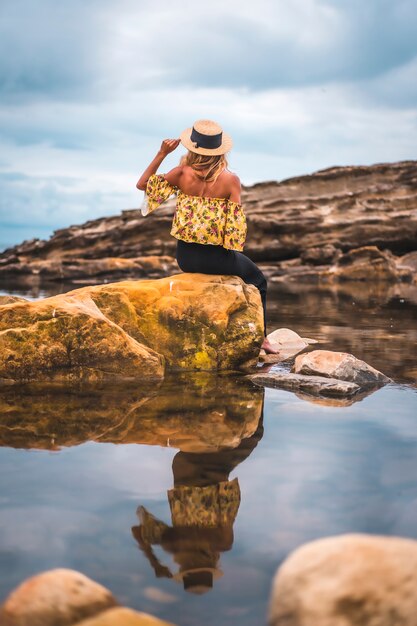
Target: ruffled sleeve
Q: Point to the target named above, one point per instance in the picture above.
(158, 189)
(235, 228)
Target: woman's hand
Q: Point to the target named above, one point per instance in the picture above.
(168, 145)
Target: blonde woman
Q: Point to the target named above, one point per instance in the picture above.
(209, 222)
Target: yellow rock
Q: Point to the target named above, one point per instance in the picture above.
(131, 330)
(11, 300)
(123, 617)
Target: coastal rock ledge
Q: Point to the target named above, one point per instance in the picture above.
(133, 330)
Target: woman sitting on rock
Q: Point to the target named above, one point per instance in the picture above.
(209, 222)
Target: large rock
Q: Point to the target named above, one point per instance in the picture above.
(340, 365)
(306, 219)
(57, 597)
(11, 300)
(131, 329)
(349, 580)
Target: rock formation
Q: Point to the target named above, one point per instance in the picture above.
(296, 227)
(131, 330)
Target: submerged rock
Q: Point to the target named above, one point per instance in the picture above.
(130, 330)
(347, 580)
(339, 365)
(312, 384)
(58, 597)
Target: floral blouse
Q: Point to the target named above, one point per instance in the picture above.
(197, 219)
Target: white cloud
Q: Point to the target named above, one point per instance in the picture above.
(90, 93)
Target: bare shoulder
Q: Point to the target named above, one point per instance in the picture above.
(174, 176)
(232, 176)
(235, 187)
(234, 179)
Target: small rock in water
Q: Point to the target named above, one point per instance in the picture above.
(312, 384)
(309, 340)
(340, 365)
(289, 343)
(54, 598)
(347, 580)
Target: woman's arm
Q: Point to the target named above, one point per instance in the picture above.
(167, 146)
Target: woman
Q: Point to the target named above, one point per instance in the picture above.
(209, 223)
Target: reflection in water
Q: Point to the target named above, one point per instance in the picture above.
(204, 504)
(322, 469)
(196, 413)
(374, 321)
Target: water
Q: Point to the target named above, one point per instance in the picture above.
(74, 468)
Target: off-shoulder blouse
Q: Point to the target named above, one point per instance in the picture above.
(197, 219)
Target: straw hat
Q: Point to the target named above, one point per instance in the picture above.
(206, 137)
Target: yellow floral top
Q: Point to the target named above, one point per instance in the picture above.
(197, 219)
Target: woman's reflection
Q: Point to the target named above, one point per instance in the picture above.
(204, 504)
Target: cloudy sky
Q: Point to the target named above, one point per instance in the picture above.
(89, 88)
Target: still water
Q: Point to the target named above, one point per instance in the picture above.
(184, 498)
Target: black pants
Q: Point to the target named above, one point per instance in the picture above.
(211, 259)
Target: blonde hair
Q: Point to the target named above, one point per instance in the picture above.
(215, 164)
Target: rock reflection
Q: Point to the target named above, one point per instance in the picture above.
(336, 402)
(196, 413)
(204, 504)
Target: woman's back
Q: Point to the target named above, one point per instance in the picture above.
(191, 184)
(209, 222)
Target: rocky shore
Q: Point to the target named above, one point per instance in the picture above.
(342, 223)
(343, 580)
(140, 321)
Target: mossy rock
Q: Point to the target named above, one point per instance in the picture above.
(133, 330)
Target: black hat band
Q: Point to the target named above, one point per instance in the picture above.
(206, 141)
